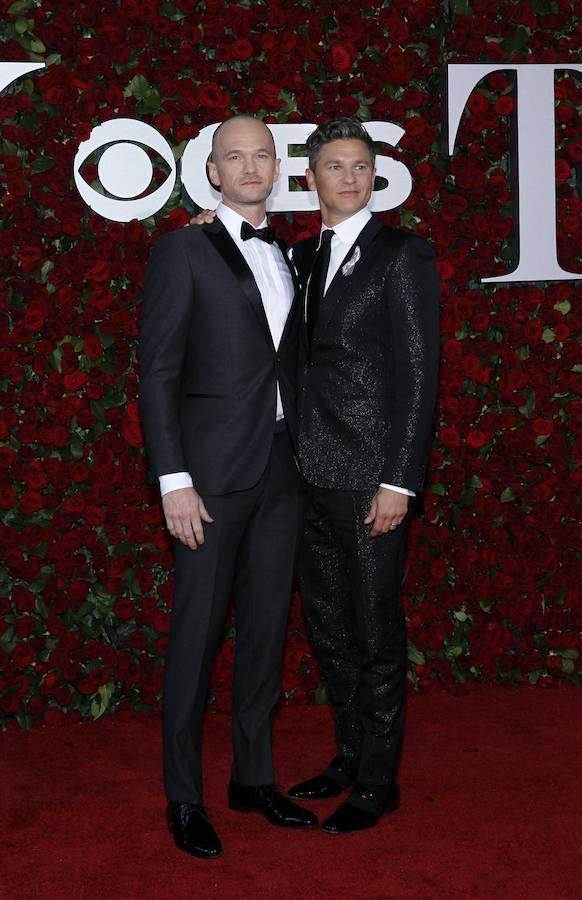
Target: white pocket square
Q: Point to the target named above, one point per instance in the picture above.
(348, 268)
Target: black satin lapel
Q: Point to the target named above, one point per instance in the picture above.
(221, 240)
(340, 283)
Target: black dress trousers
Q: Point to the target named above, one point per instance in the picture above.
(250, 551)
(350, 585)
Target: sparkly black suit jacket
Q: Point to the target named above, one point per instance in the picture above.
(208, 366)
(369, 379)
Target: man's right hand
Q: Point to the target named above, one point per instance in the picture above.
(185, 511)
(206, 217)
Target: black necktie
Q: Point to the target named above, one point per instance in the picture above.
(266, 234)
(317, 280)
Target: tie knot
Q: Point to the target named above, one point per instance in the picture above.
(266, 234)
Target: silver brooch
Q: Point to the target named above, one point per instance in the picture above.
(348, 268)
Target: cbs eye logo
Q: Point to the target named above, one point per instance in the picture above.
(126, 170)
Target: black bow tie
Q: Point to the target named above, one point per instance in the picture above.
(266, 234)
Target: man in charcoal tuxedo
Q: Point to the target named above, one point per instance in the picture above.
(365, 409)
(218, 354)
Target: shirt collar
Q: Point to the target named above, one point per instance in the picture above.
(233, 221)
(348, 230)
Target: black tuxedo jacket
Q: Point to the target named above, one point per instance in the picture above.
(369, 379)
(208, 366)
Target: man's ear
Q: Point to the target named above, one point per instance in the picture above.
(277, 170)
(310, 179)
(212, 173)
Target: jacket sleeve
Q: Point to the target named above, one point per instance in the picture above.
(413, 301)
(168, 297)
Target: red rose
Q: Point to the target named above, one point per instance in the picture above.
(123, 609)
(241, 48)
(22, 655)
(342, 57)
(476, 438)
(213, 95)
(563, 170)
(7, 496)
(504, 105)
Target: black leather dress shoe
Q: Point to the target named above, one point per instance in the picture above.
(268, 801)
(330, 783)
(193, 833)
(363, 809)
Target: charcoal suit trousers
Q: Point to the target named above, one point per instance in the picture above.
(249, 551)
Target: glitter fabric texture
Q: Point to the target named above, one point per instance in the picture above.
(365, 411)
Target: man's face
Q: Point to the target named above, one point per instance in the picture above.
(244, 164)
(343, 179)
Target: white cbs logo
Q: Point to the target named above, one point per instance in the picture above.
(125, 169)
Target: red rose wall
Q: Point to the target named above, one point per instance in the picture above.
(490, 584)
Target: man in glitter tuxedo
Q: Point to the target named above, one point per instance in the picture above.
(365, 408)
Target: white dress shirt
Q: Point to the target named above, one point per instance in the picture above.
(345, 236)
(275, 285)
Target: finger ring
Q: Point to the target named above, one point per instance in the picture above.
(394, 525)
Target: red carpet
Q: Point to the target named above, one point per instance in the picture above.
(491, 809)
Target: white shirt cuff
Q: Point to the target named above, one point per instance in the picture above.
(174, 482)
(399, 490)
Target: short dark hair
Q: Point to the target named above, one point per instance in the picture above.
(232, 119)
(346, 128)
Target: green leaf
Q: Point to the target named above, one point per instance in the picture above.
(487, 605)
(568, 666)
(364, 112)
(21, 26)
(563, 306)
(507, 495)
(46, 267)
(19, 7)
(438, 489)
(541, 7)
(24, 719)
(7, 640)
(461, 615)
(106, 339)
(548, 335)
(42, 164)
(569, 653)
(37, 46)
(321, 693)
(461, 7)
(517, 41)
(54, 360)
(415, 655)
(530, 400)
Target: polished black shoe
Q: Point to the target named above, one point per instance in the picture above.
(193, 833)
(330, 783)
(273, 805)
(363, 809)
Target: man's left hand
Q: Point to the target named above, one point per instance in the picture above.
(387, 510)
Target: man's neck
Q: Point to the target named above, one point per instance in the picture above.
(253, 214)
